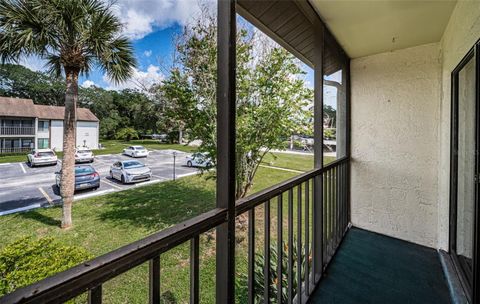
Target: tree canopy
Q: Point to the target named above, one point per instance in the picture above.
(272, 96)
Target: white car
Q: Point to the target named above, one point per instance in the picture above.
(42, 157)
(130, 171)
(199, 159)
(84, 155)
(136, 151)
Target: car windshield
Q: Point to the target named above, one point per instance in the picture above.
(83, 170)
(84, 151)
(132, 164)
(46, 154)
(140, 148)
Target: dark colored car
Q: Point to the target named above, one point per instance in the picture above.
(85, 178)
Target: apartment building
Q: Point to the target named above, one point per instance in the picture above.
(25, 125)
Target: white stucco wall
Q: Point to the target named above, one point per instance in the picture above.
(56, 135)
(395, 99)
(87, 134)
(462, 31)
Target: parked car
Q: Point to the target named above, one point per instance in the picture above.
(86, 177)
(199, 159)
(42, 157)
(130, 171)
(160, 137)
(136, 151)
(84, 155)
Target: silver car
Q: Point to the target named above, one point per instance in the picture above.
(130, 171)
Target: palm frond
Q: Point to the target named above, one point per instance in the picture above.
(117, 60)
(76, 34)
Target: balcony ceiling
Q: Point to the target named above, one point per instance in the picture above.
(370, 27)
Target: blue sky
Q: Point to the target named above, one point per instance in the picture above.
(153, 53)
(151, 26)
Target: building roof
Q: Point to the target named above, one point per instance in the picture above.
(58, 113)
(19, 107)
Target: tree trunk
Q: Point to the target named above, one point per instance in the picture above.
(67, 182)
(180, 136)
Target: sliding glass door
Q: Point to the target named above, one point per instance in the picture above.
(465, 169)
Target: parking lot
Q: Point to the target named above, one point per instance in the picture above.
(23, 188)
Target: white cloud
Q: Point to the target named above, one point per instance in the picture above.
(147, 53)
(141, 80)
(88, 83)
(140, 17)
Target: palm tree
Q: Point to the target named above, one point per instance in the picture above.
(73, 36)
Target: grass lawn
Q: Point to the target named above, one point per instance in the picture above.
(292, 161)
(104, 223)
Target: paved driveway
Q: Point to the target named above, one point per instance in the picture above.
(23, 188)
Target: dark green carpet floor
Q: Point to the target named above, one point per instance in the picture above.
(373, 268)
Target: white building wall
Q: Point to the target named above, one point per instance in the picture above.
(56, 135)
(395, 100)
(462, 31)
(87, 134)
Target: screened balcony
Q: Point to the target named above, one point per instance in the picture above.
(380, 223)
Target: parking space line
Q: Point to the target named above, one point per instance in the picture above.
(45, 194)
(23, 168)
(160, 177)
(111, 184)
(5, 164)
(96, 193)
(188, 174)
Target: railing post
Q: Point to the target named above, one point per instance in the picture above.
(317, 203)
(226, 65)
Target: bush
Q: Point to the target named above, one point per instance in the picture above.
(127, 134)
(259, 274)
(29, 260)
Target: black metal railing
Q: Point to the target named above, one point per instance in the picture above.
(321, 217)
(5, 130)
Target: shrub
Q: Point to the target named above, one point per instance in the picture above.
(127, 134)
(29, 260)
(259, 274)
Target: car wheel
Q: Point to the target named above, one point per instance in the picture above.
(111, 174)
(189, 164)
(28, 162)
(123, 179)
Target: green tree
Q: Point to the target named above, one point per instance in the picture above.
(271, 95)
(19, 81)
(329, 115)
(176, 104)
(127, 134)
(73, 36)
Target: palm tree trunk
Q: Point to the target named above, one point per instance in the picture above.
(67, 182)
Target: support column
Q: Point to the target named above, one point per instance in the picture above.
(318, 152)
(226, 74)
(35, 143)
